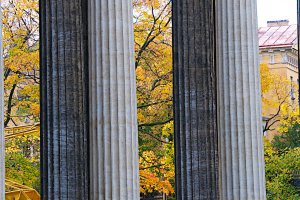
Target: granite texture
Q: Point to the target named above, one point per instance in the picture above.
(64, 99)
(195, 111)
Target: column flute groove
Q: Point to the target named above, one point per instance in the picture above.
(239, 102)
(113, 112)
(195, 111)
(64, 99)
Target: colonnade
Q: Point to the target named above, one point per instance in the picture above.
(89, 144)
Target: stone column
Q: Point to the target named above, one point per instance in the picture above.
(195, 111)
(2, 141)
(239, 102)
(113, 112)
(64, 99)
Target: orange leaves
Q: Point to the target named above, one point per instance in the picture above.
(155, 176)
(152, 31)
(150, 183)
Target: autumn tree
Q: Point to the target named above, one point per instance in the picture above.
(289, 139)
(22, 160)
(21, 61)
(279, 99)
(21, 88)
(279, 168)
(153, 50)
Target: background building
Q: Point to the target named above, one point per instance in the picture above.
(278, 51)
(277, 44)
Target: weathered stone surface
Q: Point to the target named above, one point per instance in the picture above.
(239, 102)
(64, 99)
(196, 142)
(113, 114)
(2, 145)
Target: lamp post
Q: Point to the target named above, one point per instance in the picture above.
(296, 178)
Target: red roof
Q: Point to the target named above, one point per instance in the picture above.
(277, 36)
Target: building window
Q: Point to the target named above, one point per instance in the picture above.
(272, 58)
(284, 58)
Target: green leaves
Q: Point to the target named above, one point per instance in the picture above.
(279, 167)
(153, 53)
(20, 169)
(289, 139)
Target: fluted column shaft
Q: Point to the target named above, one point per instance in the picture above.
(64, 99)
(113, 112)
(239, 102)
(2, 141)
(195, 111)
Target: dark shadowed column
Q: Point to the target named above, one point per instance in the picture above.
(64, 97)
(195, 100)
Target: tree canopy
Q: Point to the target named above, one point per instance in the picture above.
(153, 50)
(21, 61)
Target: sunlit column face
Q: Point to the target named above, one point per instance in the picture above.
(239, 101)
(113, 108)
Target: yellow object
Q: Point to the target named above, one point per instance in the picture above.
(16, 191)
(21, 130)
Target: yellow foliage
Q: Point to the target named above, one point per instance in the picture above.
(279, 98)
(265, 76)
(275, 89)
(153, 39)
(290, 118)
(149, 170)
(21, 61)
